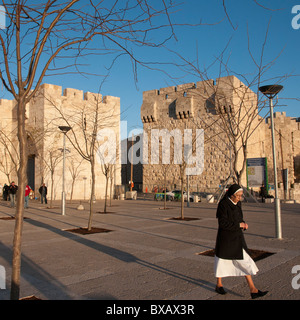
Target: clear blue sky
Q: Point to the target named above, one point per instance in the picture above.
(205, 43)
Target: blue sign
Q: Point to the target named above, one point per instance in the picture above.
(257, 173)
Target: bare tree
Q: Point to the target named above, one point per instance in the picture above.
(51, 159)
(235, 108)
(75, 170)
(107, 171)
(86, 123)
(38, 34)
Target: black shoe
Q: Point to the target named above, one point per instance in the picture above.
(258, 294)
(220, 290)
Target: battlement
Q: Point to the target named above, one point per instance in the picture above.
(7, 103)
(229, 83)
(70, 93)
(184, 100)
(282, 121)
(50, 94)
(111, 100)
(89, 96)
(279, 114)
(75, 94)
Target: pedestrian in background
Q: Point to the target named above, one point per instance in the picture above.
(263, 193)
(43, 192)
(27, 192)
(231, 253)
(5, 192)
(13, 188)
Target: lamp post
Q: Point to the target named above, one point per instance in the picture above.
(64, 130)
(270, 91)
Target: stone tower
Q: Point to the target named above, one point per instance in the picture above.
(223, 114)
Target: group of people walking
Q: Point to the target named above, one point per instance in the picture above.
(10, 192)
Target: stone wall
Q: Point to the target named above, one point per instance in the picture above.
(51, 108)
(287, 142)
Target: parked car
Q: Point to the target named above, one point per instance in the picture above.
(176, 195)
(161, 196)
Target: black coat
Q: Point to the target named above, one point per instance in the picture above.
(13, 189)
(41, 190)
(230, 239)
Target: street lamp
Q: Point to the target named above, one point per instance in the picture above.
(64, 130)
(270, 92)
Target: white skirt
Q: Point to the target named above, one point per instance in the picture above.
(235, 268)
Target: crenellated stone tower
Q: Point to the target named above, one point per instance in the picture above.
(214, 107)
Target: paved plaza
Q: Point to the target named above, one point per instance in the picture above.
(147, 255)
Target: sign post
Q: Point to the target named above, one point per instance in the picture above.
(257, 173)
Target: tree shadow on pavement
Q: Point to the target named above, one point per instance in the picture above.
(113, 252)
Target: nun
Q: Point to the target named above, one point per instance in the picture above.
(232, 257)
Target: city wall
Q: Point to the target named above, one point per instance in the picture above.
(52, 107)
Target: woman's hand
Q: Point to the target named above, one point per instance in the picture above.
(243, 225)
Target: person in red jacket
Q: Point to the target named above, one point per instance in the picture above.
(27, 192)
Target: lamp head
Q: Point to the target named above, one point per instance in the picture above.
(64, 129)
(270, 91)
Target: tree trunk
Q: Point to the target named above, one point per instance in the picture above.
(182, 172)
(106, 189)
(52, 188)
(165, 195)
(22, 179)
(111, 184)
(72, 189)
(182, 200)
(239, 173)
(92, 193)
(245, 155)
